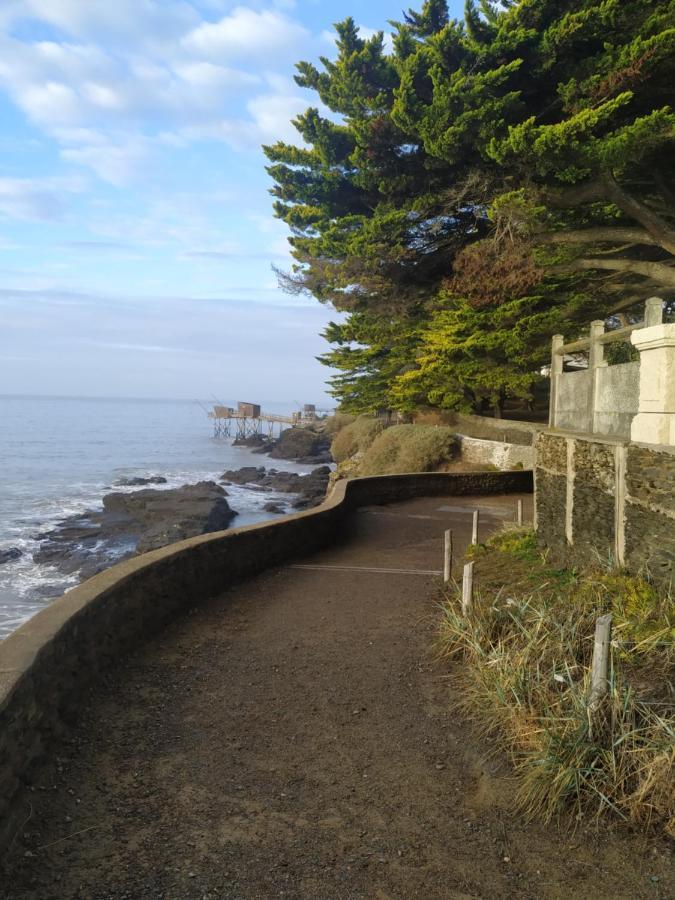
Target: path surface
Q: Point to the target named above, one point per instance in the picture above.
(294, 739)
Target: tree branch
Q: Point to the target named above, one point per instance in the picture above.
(659, 272)
(597, 235)
(606, 187)
(655, 225)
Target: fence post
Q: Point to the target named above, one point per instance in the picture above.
(600, 665)
(596, 359)
(556, 370)
(474, 528)
(519, 512)
(467, 588)
(447, 558)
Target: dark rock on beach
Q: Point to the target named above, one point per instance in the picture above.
(302, 445)
(139, 481)
(10, 555)
(274, 507)
(311, 488)
(259, 443)
(132, 523)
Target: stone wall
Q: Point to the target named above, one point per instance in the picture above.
(609, 500)
(48, 663)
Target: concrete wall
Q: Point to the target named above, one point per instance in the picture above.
(572, 401)
(48, 663)
(508, 431)
(495, 453)
(617, 395)
(607, 499)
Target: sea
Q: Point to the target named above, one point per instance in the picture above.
(60, 455)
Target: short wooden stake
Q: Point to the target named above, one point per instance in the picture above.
(600, 667)
(467, 588)
(474, 531)
(447, 559)
(519, 514)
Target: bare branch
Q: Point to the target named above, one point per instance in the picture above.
(655, 225)
(597, 235)
(659, 272)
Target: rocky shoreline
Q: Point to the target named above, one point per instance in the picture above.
(134, 522)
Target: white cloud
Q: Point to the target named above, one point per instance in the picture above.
(171, 83)
(37, 199)
(112, 163)
(246, 33)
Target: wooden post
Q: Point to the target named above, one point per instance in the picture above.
(474, 530)
(600, 667)
(447, 559)
(467, 588)
(519, 512)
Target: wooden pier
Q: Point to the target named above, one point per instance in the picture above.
(248, 419)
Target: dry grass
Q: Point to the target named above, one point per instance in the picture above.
(355, 437)
(526, 650)
(409, 448)
(337, 422)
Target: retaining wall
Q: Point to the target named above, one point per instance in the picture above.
(603, 498)
(51, 661)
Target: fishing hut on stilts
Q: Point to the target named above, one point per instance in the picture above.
(248, 419)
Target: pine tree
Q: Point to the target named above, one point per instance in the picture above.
(488, 181)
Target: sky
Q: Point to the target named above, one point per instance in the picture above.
(136, 232)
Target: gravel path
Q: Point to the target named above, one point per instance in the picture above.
(294, 738)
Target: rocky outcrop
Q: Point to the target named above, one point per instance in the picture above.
(132, 523)
(10, 554)
(310, 488)
(302, 445)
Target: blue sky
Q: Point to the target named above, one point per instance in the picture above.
(136, 233)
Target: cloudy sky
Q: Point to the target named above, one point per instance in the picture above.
(136, 234)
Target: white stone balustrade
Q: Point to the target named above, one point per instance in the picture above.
(655, 419)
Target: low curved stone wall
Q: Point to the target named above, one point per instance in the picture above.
(50, 662)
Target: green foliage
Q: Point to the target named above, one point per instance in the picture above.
(441, 201)
(409, 448)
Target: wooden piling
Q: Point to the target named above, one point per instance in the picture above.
(447, 557)
(600, 666)
(467, 588)
(474, 530)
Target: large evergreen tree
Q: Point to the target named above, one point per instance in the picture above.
(486, 183)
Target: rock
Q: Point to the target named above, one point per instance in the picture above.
(10, 555)
(163, 517)
(133, 523)
(274, 507)
(245, 475)
(260, 442)
(300, 444)
(138, 481)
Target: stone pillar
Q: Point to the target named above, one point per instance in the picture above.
(655, 420)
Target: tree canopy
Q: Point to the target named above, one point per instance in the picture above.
(478, 186)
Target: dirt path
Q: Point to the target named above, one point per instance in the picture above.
(293, 739)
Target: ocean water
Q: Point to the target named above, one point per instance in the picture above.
(60, 455)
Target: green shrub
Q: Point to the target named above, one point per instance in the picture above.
(356, 437)
(409, 448)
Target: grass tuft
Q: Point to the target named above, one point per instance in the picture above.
(526, 649)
